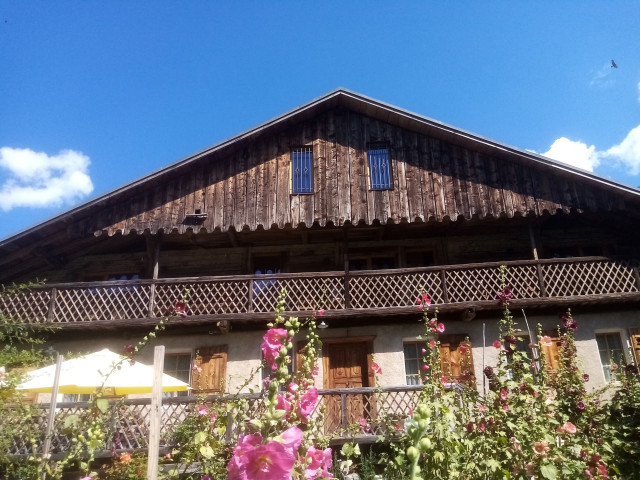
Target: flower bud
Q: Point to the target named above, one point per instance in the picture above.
(412, 453)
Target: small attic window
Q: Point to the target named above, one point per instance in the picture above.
(379, 167)
(301, 170)
(195, 218)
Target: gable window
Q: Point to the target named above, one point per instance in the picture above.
(379, 168)
(178, 365)
(611, 354)
(301, 170)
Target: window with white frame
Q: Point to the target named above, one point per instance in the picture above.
(413, 362)
(611, 354)
(178, 365)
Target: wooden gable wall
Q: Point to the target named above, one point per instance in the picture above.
(432, 179)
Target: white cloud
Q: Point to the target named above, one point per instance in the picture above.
(35, 179)
(627, 152)
(578, 154)
(573, 153)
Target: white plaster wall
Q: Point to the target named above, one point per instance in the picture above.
(244, 347)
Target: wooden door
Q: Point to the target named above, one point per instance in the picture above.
(346, 365)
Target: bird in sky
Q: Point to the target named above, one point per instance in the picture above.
(613, 64)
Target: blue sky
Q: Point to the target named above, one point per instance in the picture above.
(94, 95)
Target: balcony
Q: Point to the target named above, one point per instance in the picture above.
(129, 419)
(536, 283)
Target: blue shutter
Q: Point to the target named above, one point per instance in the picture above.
(379, 171)
(302, 171)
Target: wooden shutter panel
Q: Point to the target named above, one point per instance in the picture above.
(552, 352)
(211, 377)
(634, 335)
(456, 364)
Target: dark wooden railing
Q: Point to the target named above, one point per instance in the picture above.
(338, 293)
(129, 419)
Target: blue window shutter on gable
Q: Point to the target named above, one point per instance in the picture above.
(379, 170)
(302, 171)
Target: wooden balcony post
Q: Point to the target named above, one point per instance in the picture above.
(541, 285)
(250, 301)
(152, 299)
(443, 284)
(347, 295)
(52, 305)
(343, 410)
(636, 274)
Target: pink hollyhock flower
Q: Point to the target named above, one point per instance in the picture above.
(86, 478)
(214, 417)
(315, 371)
(568, 427)
(440, 327)
(541, 449)
(432, 344)
(364, 425)
(423, 351)
(292, 387)
(318, 313)
(328, 463)
(271, 345)
(282, 403)
(585, 377)
(307, 403)
(180, 308)
(203, 410)
(425, 367)
(272, 461)
(482, 408)
(291, 439)
(463, 348)
(314, 462)
(503, 394)
(423, 300)
(497, 344)
(376, 368)
(432, 322)
(206, 477)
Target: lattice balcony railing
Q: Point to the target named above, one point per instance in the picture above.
(82, 303)
(342, 411)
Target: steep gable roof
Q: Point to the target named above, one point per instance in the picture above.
(338, 99)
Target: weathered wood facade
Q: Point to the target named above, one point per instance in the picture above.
(458, 206)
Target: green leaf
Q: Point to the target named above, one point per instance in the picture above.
(206, 451)
(102, 404)
(200, 437)
(549, 471)
(71, 421)
(493, 464)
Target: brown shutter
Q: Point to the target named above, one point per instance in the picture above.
(213, 364)
(552, 352)
(456, 364)
(634, 334)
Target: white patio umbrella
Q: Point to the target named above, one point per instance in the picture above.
(88, 373)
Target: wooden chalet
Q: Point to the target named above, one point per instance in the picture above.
(354, 207)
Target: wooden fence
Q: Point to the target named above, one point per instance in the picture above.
(343, 410)
(243, 296)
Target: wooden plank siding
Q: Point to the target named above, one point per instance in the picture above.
(249, 186)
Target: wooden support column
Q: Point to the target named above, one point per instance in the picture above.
(52, 412)
(153, 267)
(532, 239)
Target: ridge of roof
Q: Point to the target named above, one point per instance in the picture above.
(336, 93)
